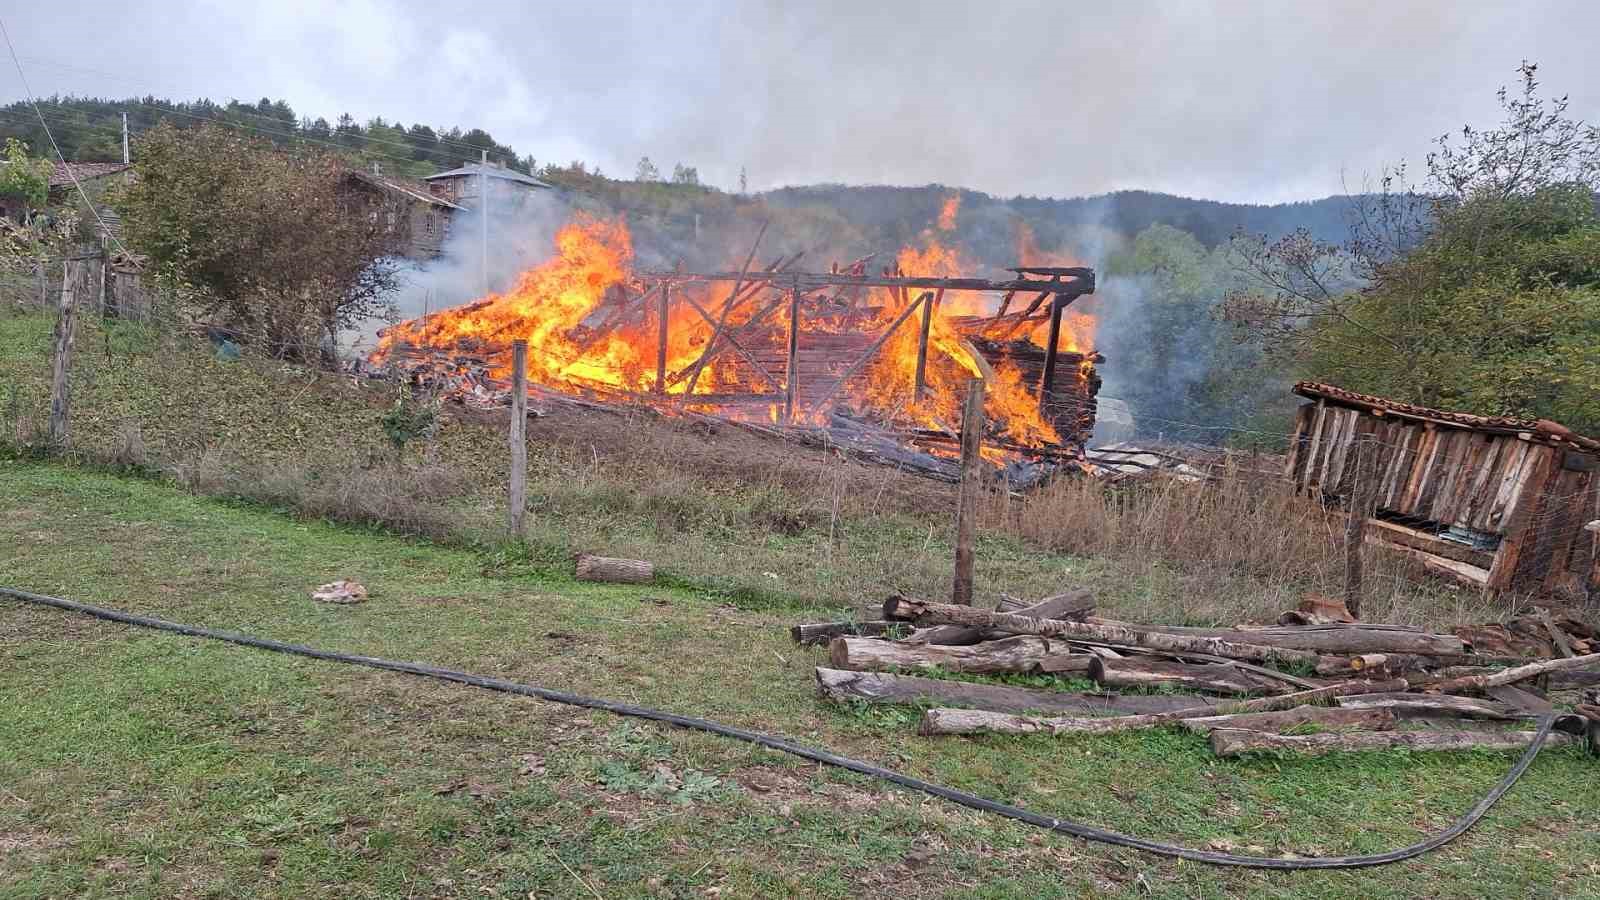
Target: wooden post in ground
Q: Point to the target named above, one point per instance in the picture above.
(44, 284)
(661, 339)
(518, 495)
(967, 497)
(922, 351)
(794, 346)
(1358, 506)
(60, 358)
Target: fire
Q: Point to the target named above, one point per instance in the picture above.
(1077, 325)
(590, 329)
(948, 211)
(1009, 403)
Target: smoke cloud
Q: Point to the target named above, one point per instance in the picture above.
(1260, 101)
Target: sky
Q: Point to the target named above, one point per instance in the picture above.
(1240, 101)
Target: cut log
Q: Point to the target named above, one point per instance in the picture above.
(944, 721)
(1145, 672)
(1347, 640)
(609, 569)
(1014, 654)
(817, 634)
(1431, 706)
(1234, 741)
(1283, 720)
(924, 612)
(879, 687)
(1519, 673)
(1071, 607)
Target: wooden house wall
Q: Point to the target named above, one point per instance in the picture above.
(1453, 476)
(1535, 496)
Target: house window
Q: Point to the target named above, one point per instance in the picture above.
(428, 223)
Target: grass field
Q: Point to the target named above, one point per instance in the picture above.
(149, 765)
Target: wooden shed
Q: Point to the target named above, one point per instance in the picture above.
(1495, 502)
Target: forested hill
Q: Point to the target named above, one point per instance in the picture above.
(90, 130)
(902, 211)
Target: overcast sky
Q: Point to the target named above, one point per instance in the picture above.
(1248, 101)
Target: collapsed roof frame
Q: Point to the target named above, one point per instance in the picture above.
(1059, 286)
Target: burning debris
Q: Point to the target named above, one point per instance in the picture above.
(874, 361)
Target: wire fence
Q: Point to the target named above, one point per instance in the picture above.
(1230, 536)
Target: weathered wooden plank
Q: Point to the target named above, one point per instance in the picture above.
(1505, 493)
(1521, 518)
(1313, 466)
(1426, 452)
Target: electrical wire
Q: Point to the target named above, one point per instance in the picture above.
(784, 745)
(104, 229)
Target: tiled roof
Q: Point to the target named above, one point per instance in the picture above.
(417, 193)
(1542, 428)
(83, 172)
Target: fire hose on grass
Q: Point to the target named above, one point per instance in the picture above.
(783, 745)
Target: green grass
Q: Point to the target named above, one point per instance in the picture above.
(150, 765)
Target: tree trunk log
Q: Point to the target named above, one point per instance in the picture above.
(1431, 705)
(1070, 607)
(620, 571)
(963, 721)
(1283, 720)
(1519, 673)
(819, 634)
(1234, 741)
(1145, 672)
(1014, 654)
(877, 687)
(925, 612)
(1341, 639)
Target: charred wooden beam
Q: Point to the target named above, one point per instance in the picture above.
(810, 281)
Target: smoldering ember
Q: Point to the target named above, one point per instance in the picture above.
(856, 472)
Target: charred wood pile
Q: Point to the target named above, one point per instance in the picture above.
(1363, 686)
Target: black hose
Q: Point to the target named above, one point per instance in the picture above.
(972, 801)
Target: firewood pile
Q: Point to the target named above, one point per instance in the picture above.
(1360, 686)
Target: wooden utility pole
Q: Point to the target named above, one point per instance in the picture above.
(60, 358)
(483, 220)
(1358, 506)
(967, 496)
(518, 495)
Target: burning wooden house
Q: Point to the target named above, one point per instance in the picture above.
(878, 360)
(1495, 502)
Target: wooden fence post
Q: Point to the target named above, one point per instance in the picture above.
(517, 499)
(1358, 506)
(967, 496)
(60, 359)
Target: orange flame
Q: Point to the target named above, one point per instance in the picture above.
(587, 331)
(948, 211)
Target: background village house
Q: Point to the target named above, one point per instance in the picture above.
(1494, 502)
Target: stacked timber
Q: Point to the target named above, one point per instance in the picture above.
(1375, 687)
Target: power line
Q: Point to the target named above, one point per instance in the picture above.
(104, 229)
